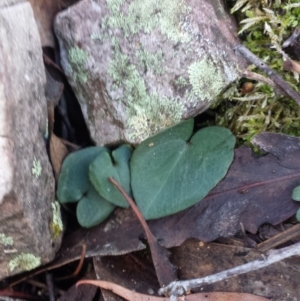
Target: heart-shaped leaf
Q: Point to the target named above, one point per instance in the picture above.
(171, 171)
(102, 168)
(92, 209)
(74, 185)
(74, 180)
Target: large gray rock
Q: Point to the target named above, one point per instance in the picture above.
(29, 217)
(141, 65)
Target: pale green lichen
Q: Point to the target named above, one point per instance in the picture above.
(181, 81)
(206, 79)
(36, 169)
(6, 240)
(24, 262)
(56, 225)
(151, 61)
(153, 115)
(77, 59)
(141, 15)
(147, 113)
(96, 36)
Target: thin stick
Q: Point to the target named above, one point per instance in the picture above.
(131, 203)
(43, 286)
(178, 288)
(290, 65)
(279, 239)
(50, 285)
(165, 271)
(79, 267)
(260, 78)
(277, 79)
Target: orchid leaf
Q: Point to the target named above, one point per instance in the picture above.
(174, 170)
(116, 166)
(74, 181)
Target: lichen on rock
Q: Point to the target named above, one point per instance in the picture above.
(147, 15)
(56, 225)
(147, 112)
(148, 64)
(6, 240)
(205, 79)
(24, 262)
(78, 58)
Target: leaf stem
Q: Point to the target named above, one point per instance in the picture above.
(133, 206)
(165, 271)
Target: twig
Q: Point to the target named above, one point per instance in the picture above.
(277, 79)
(43, 269)
(79, 267)
(50, 285)
(19, 295)
(279, 239)
(181, 287)
(260, 78)
(127, 294)
(293, 39)
(43, 286)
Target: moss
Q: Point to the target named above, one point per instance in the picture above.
(56, 225)
(264, 31)
(24, 262)
(6, 240)
(77, 59)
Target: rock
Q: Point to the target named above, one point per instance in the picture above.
(142, 65)
(44, 13)
(29, 216)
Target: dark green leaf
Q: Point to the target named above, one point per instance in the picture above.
(170, 173)
(102, 168)
(92, 209)
(74, 179)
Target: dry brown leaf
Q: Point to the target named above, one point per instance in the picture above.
(44, 13)
(133, 271)
(58, 152)
(133, 296)
(198, 260)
